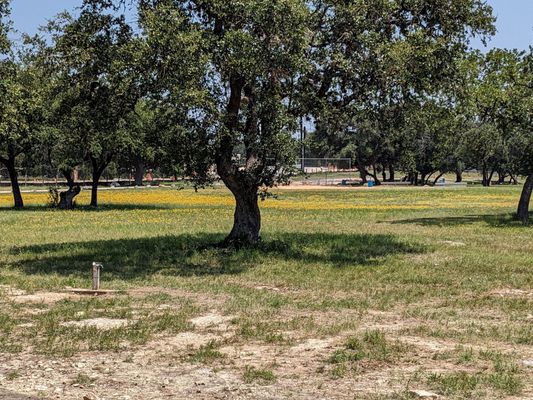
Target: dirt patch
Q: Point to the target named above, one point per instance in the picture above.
(507, 292)
(100, 323)
(454, 243)
(212, 321)
(11, 291)
(42, 298)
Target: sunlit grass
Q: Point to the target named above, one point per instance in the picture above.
(443, 264)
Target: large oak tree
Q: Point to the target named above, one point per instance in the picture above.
(229, 68)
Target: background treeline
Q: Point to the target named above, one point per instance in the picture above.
(215, 89)
(481, 124)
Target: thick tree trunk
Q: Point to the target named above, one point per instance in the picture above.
(525, 198)
(66, 199)
(15, 187)
(458, 176)
(246, 220)
(139, 172)
(242, 183)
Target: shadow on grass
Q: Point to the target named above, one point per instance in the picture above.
(507, 220)
(188, 255)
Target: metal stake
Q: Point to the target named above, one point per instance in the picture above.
(97, 267)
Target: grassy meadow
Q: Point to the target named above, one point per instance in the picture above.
(352, 294)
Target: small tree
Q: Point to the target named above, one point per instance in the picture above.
(94, 59)
(20, 112)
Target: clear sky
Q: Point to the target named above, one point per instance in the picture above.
(515, 19)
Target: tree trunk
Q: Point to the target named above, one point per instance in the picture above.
(458, 176)
(436, 180)
(247, 218)
(501, 177)
(485, 181)
(66, 199)
(15, 187)
(491, 176)
(139, 172)
(94, 190)
(375, 173)
(362, 173)
(525, 198)
(391, 173)
(243, 184)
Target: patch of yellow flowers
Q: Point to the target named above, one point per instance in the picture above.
(289, 200)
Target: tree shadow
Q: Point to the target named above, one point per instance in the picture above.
(507, 220)
(200, 255)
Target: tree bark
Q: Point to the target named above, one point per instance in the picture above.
(486, 180)
(501, 177)
(391, 173)
(139, 172)
(458, 176)
(94, 190)
(97, 171)
(15, 186)
(66, 199)
(247, 218)
(436, 180)
(491, 175)
(362, 173)
(525, 198)
(242, 183)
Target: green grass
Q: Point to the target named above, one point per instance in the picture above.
(257, 375)
(444, 264)
(373, 346)
(207, 354)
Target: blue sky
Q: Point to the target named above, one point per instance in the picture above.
(515, 19)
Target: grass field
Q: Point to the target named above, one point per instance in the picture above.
(353, 294)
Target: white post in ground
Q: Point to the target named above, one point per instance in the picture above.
(97, 268)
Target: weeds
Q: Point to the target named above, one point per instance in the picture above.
(262, 376)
